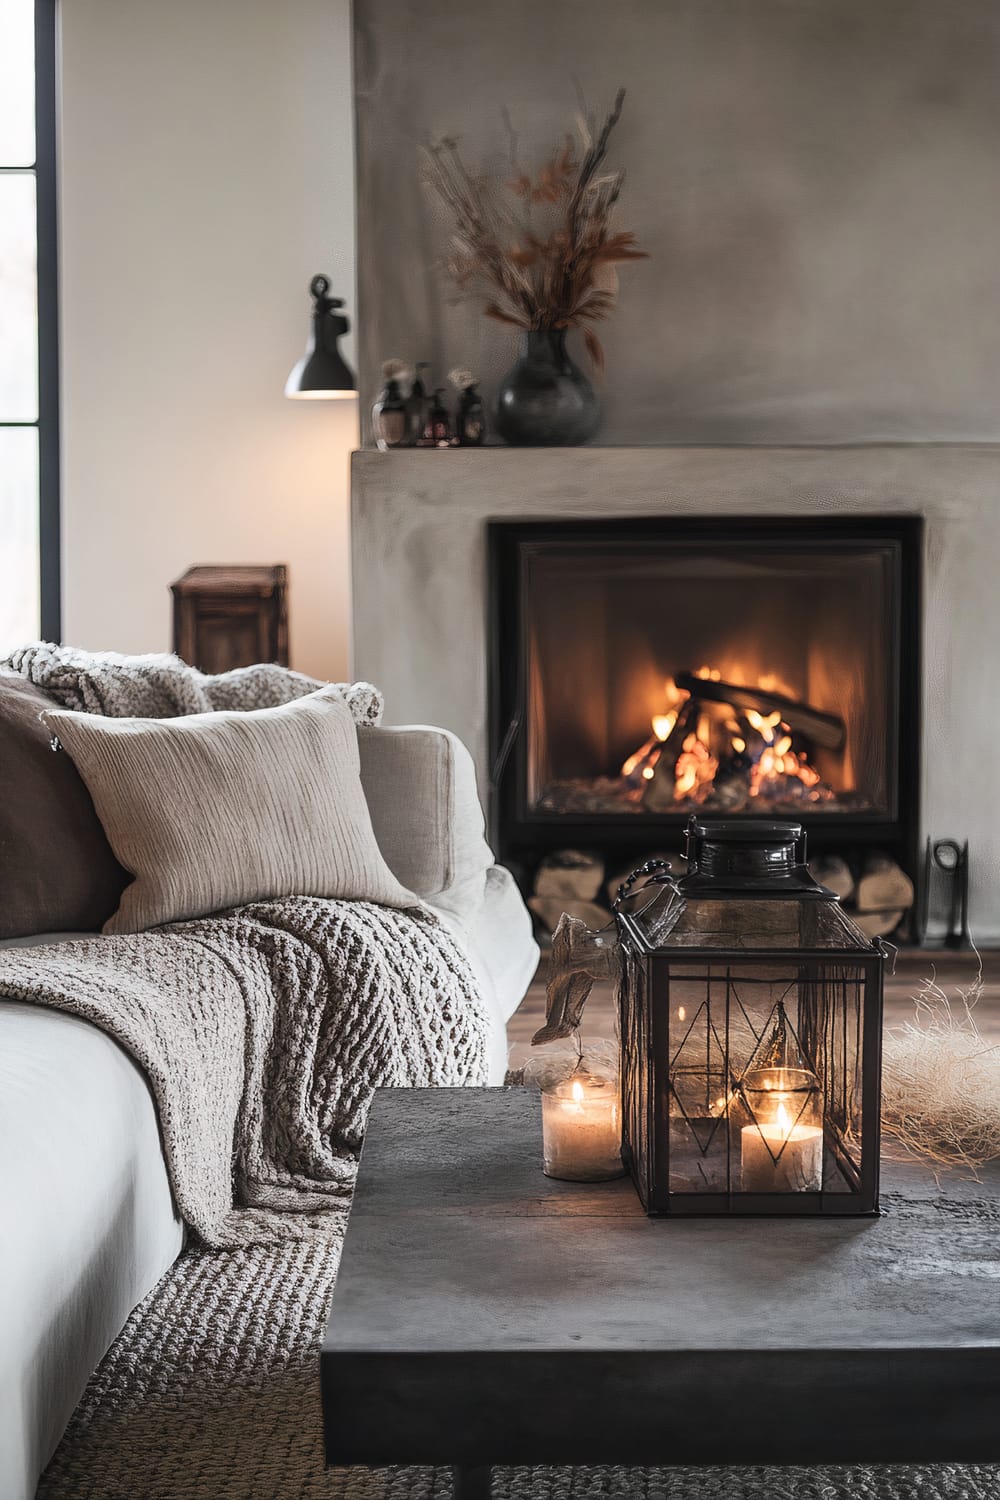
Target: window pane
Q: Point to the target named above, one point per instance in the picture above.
(17, 83)
(18, 299)
(19, 562)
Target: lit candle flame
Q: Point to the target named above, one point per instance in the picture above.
(783, 1121)
(577, 1091)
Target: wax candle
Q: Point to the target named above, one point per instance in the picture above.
(581, 1129)
(781, 1157)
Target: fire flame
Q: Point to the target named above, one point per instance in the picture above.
(777, 758)
(643, 762)
(696, 767)
(758, 748)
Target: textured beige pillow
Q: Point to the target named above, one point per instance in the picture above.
(215, 810)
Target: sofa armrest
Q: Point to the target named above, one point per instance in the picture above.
(420, 784)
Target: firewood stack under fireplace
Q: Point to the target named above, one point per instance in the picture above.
(875, 891)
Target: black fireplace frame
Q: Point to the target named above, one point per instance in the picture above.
(521, 836)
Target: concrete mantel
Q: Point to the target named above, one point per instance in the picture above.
(420, 576)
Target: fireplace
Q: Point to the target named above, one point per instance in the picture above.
(642, 670)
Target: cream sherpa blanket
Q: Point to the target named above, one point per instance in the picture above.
(263, 1031)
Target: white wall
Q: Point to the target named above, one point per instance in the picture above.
(206, 174)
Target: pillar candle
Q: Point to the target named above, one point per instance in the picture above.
(782, 1158)
(581, 1129)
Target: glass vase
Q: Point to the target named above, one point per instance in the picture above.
(545, 400)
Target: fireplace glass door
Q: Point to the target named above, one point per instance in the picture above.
(732, 668)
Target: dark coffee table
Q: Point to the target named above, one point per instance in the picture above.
(486, 1315)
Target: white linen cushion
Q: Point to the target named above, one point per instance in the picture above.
(496, 937)
(215, 810)
(420, 783)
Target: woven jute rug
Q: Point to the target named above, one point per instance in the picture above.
(211, 1393)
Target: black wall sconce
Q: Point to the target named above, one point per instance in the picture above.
(322, 373)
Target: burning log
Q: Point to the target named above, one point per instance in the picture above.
(661, 791)
(884, 896)
(821, 728)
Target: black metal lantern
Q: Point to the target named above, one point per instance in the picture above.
(751, 1033)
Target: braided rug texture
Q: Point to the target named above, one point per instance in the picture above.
(211, 1393)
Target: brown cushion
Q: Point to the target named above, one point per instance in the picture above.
(57, 871)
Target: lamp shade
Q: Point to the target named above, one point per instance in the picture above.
(322, 374)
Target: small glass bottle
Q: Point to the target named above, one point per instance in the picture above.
(417, 405)
(389, 415)
(438, 431)
(471, 419)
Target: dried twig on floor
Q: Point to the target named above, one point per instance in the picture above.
(941, 1083)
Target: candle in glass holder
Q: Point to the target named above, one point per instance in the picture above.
(779, 1156)
(581, 1129)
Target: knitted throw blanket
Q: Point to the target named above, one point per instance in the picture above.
(263, 1031)
(161, 686)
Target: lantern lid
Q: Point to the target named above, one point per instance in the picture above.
(749, 857)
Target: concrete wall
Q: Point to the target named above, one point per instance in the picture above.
(206, 174)
(815, 181)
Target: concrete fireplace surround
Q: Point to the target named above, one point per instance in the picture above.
(420, 584)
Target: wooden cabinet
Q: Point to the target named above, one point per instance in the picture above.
(231, 616)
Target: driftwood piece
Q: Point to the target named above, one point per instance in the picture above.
(580, 955)
(884, 896)
(821, 728)
(570, 873)
(835, 873)
(549, 909)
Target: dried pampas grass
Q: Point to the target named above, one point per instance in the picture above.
(941, 1083)
(549, 258)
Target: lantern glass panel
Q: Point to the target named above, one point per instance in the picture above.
(757, 1028)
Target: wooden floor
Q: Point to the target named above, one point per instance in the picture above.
(953, 972)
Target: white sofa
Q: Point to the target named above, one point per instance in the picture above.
(88, 1224)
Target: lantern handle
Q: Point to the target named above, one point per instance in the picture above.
(657, 871)
(887, 950)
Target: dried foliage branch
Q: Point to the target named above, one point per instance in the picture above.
(556, 275)
(941, 1083)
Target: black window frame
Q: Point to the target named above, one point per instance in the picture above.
(44, 169)
(46, 188)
